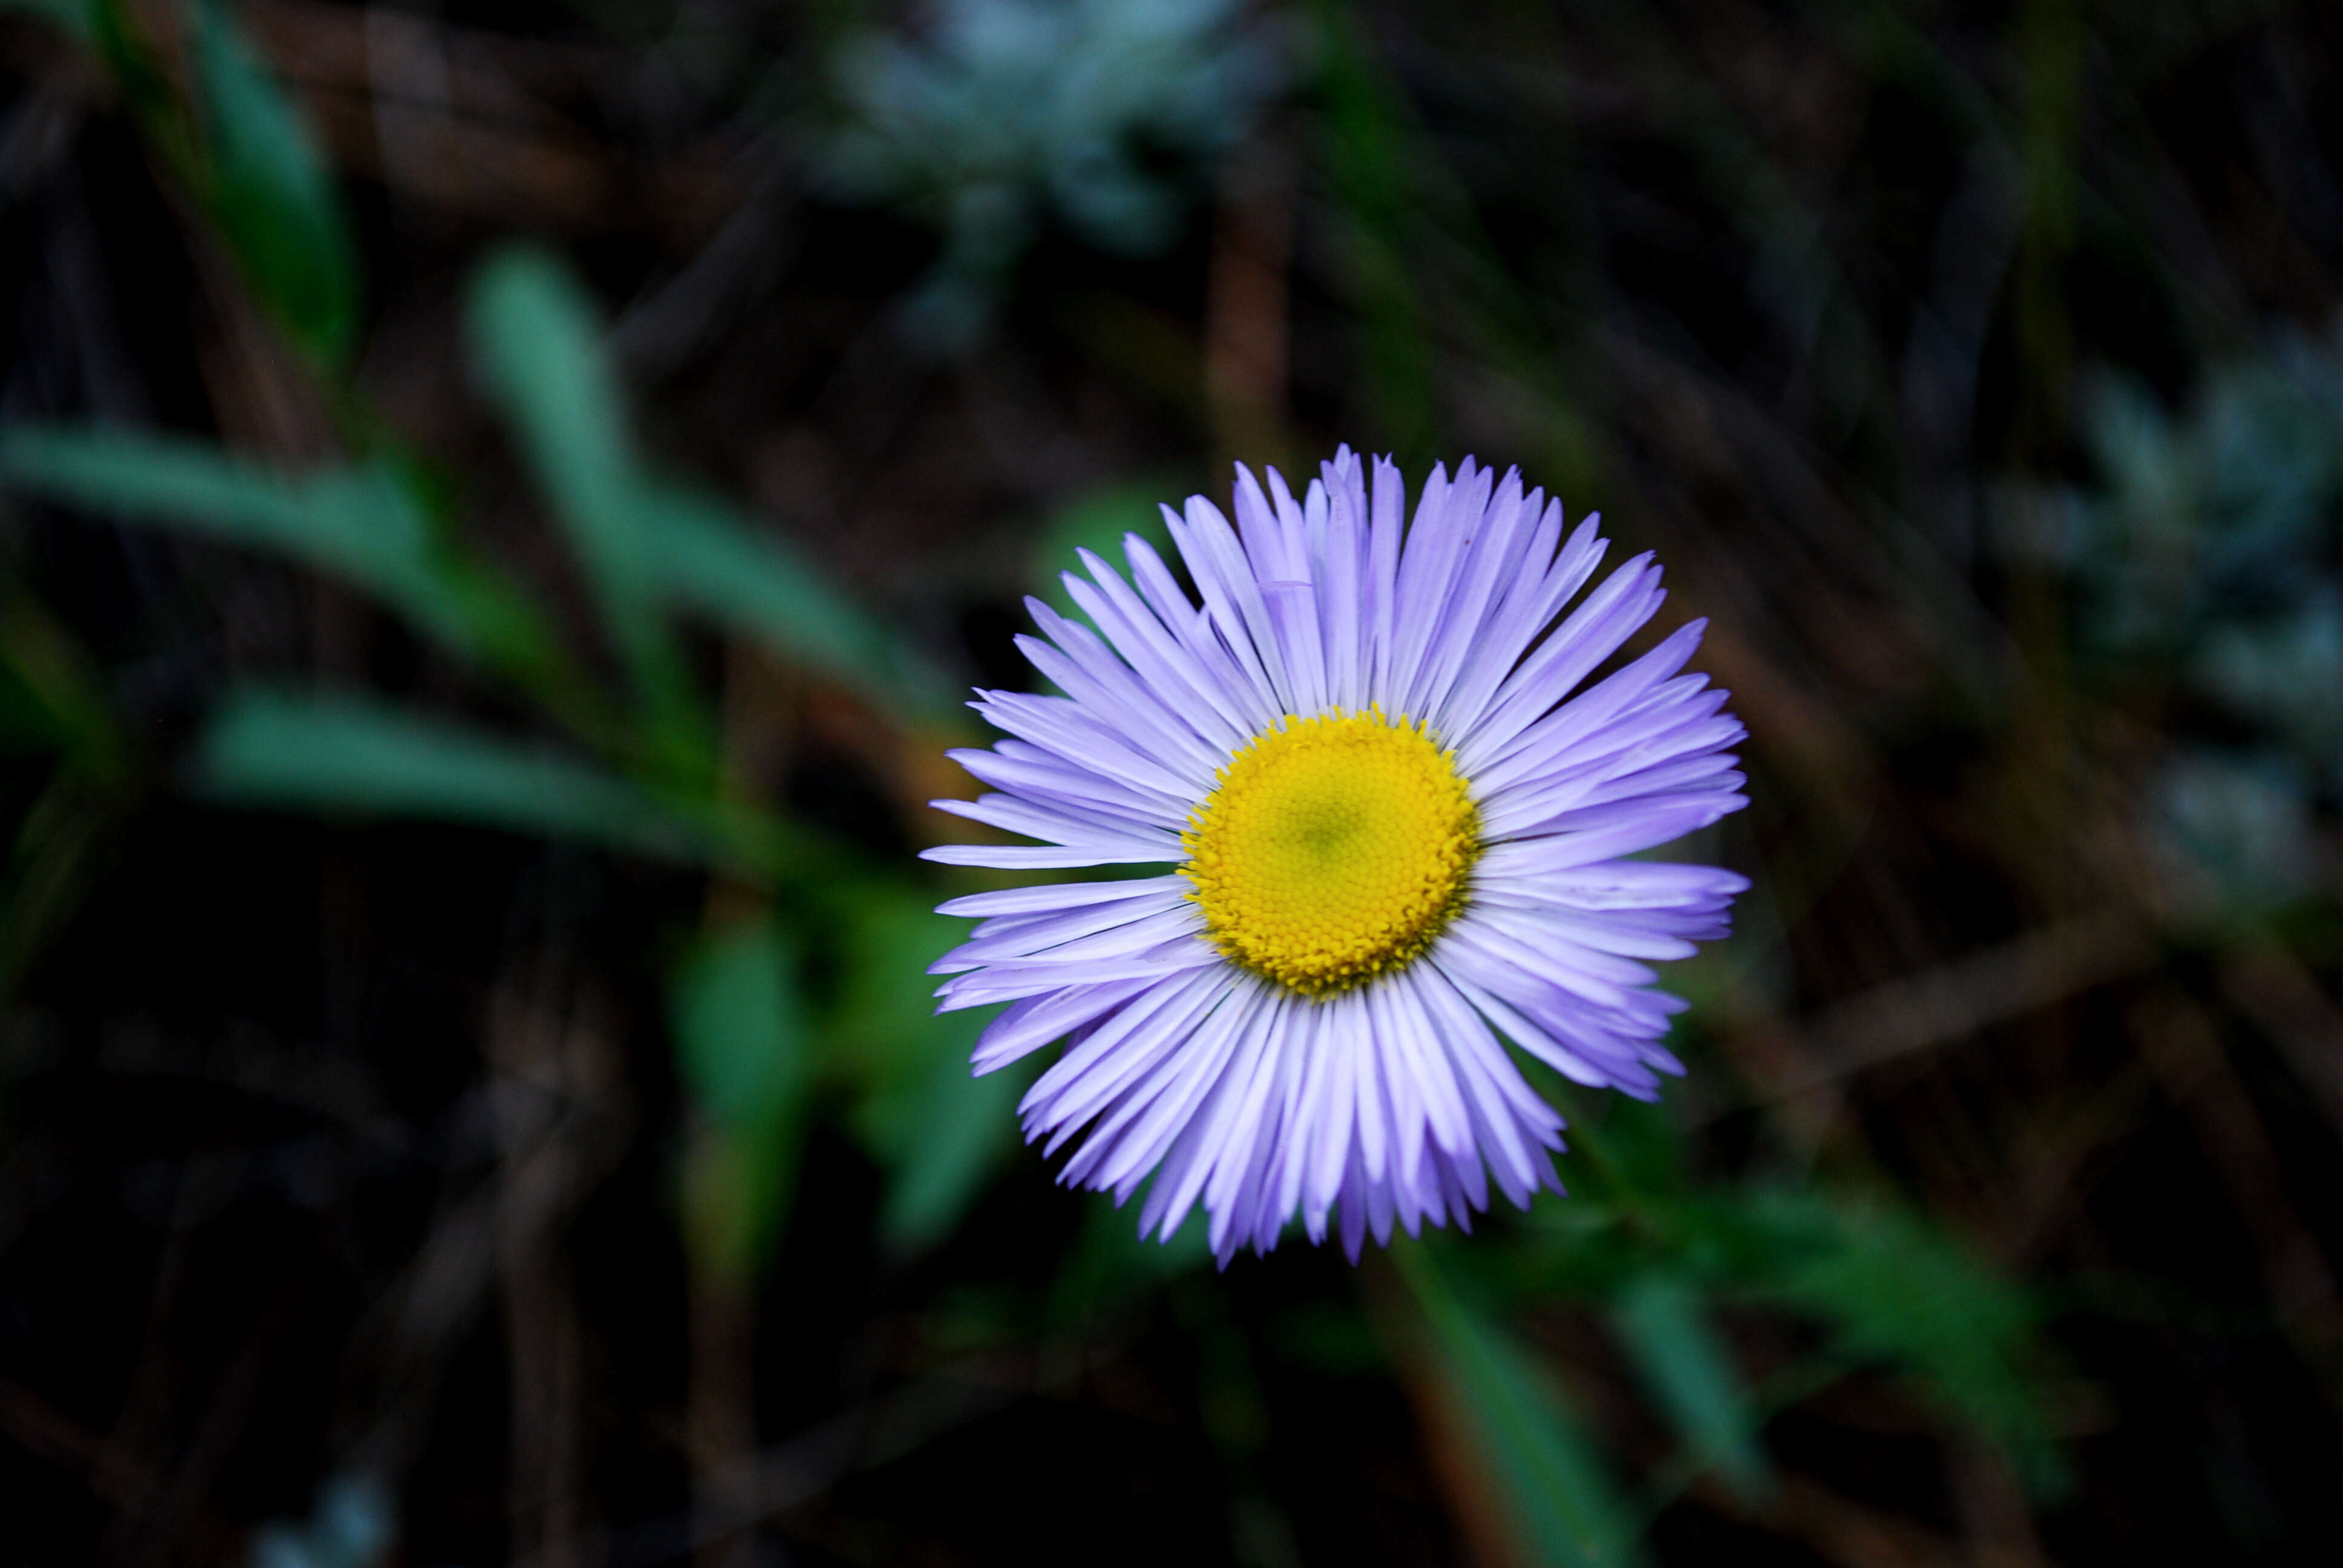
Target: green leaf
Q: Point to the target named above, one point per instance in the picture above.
(356, 523)
(1097, 521)
(739, 1026)
(648, 543)
(1691, 1374)
(939, 1132)
(539, 340)
(964, 1126)
(348, 754)
(709, 559)
(364, 526)
(1548, 1477)
(1901, 1292)
(741, 1046)
(269, 192)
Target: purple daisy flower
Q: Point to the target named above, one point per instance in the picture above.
(1397, 847)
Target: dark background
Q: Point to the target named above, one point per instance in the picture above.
(411, 1155)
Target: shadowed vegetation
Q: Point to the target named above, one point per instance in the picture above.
(501, 505)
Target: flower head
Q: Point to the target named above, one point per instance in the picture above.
(1397, 840)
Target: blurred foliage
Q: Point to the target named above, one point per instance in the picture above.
(646, 546)
(1096, 112)
(54, 711)
(2021, 536)
(267, 192)
(240, 148)
(1661, 1256)
(353, 1527)
(937, 1131)
(2205, 556)
(1560, 1503)
(1097, 522)
(739, 1030)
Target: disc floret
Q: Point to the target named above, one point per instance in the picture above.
(1332, 849)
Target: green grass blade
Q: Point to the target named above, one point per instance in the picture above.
(1691, 1374)
(538, 339)
(966, 1130)
(269, 192)
(1552, 1484)
(351, 522)
(939, 1132)
(342, 755)
(709, 559)
(743, 1046)
(1903, 1293)
(360, 525)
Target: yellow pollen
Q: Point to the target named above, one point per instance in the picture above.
(1333, 849)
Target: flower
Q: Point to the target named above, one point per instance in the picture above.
(1395, 846)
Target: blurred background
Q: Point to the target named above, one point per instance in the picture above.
(502, 504)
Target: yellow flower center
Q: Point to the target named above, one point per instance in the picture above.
(1333, 849)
